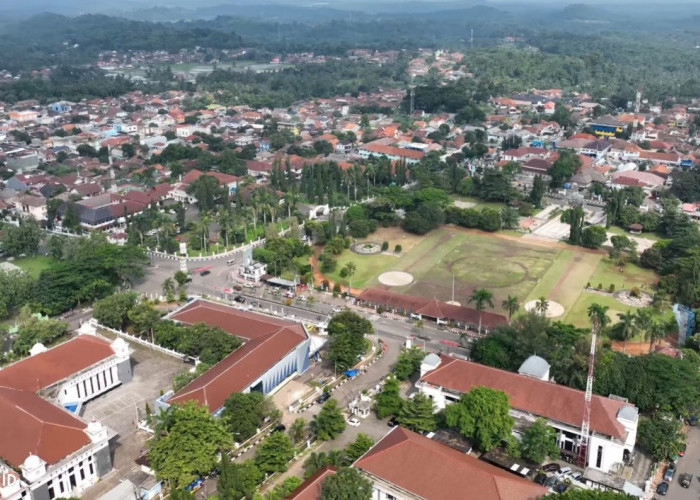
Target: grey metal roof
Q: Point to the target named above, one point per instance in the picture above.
(628, 413)
(431, 359)
(534, 366)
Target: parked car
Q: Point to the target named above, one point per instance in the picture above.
(550, 482)
(565, 471)
(205, 273)
(686, 479)
(353, 422)
(577, 476)
(670, 472)
(551, 467)
(561, 488)
(392, 422)
(693, 420)
(662, 488)
(337, 309)
(239, 298)
(323, 397)
(280, 428)
(541, 478)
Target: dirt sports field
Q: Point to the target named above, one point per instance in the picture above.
(525, 267)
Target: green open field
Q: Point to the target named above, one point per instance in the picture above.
(504, 265)
(33, 265)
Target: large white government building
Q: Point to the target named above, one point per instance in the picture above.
(46, 449)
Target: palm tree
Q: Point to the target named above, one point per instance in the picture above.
(643, 320)
(350, 269)
(542, 305)
(168, 287)
(291, 198)
(226, 223)
(511, 305)
(656, 331)
(481, 297)
(202, 230)
(626, 328)
(599, 316)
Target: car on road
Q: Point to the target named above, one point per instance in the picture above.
(686, 479)
(551, 467)
(280, 428)
(337, 309)
(670, 472)
(353, 422)
(662, 488)
(323, 397)
(205, 273)
(392, 422)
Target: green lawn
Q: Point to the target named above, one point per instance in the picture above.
(578, 314)
(476, 261)
(566, 277)
(33, 265)
(608, 273)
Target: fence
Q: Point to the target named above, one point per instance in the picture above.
(138, 340)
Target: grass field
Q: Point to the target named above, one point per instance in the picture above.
(622, 232)
(33, 265)
(502, 264)
(478, 203)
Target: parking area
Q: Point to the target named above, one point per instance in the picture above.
(152, 373)
(688, 463)
(120, 409)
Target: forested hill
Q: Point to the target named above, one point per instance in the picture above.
(49, 39)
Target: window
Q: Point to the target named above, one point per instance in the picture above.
(599, 460)
(52, 495)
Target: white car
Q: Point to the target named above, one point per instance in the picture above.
(353, 422)
(337, 309)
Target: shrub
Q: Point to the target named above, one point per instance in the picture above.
(385, 246)
(336, 288)
(398, 249)
(611, 288)
(635, 292)
(588, 285)
(599, 287)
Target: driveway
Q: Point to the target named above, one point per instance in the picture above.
(689, 463)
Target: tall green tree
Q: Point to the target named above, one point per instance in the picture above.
(22, 239)
(598, 315)
(388, 401)
(329, 423)
(576, 216)
(511, 305)
(187, 447)
(346, 484)
(238, 480)
(626, 328)
(244, 414)
(481, 297)
(274, 453)
(417, 413)
(359, 447)
(539, 442)
(482, 415)
(113, 311)
(537, 192)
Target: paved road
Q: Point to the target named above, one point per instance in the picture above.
(689, 463)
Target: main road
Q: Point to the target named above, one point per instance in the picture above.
(218, 283)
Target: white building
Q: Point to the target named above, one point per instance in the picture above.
(614, 422)
(253, 271)
(58, 454)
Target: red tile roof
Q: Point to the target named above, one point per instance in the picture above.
(311, 488)
(268, 341)
(431, 308)
(195, 174)
(54, 365)
(30, 424)
(432, 470)
(545, 399)
(381, 149)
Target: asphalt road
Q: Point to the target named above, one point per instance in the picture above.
(689, 463)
